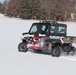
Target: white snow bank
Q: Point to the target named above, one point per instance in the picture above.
(14, 63)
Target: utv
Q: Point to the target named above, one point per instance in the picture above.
(46, 35)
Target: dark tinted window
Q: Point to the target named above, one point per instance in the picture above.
(52, 29)
(61, 29)
(44, 29)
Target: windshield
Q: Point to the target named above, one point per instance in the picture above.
(33, 29)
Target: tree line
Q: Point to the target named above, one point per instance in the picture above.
(39, 9)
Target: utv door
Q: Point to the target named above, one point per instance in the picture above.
(34, 30)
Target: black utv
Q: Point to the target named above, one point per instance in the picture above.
(46, 35)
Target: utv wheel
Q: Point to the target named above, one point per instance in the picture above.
(73, 51)
(56, 52)
(22, 47)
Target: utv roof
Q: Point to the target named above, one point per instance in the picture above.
(50, 22)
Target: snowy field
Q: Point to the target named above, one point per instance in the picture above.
(13, 62)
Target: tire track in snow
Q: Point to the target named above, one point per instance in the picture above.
(68, 58)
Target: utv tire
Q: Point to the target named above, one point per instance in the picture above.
(56, 52)
(73, 51)
(22, 47)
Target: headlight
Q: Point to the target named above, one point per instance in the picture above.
(23, 38)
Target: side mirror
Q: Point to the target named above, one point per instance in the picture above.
(24, 33)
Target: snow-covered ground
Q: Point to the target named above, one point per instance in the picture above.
(13, 62)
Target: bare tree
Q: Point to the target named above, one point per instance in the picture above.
(12, 8)
(41, 9)
(0, 7)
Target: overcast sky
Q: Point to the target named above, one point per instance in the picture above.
(2, 0)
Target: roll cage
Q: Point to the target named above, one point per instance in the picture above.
(48, 29)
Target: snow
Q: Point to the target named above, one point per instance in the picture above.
(13, 62)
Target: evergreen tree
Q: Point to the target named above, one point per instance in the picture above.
(23, 11)
(12, 8)
(29, 9)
